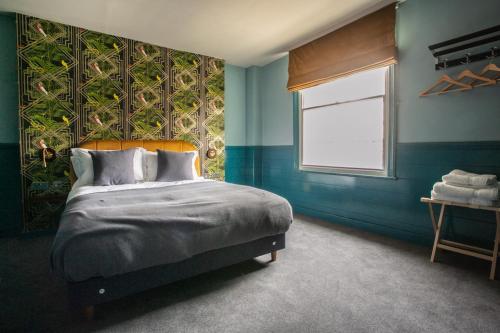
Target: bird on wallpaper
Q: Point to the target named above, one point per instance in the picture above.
(66, 120)
(95, 67)
(213, 64)
(40, 87)
(143, 51)
(95, 119)
(182, 82)
(142, 99)
(65, 64)
(39, 28)
(116, 47)
(41, 144)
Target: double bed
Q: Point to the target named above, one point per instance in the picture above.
(118, 240)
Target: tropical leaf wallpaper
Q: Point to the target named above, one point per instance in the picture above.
(77, 85)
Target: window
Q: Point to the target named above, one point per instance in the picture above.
(346, 125)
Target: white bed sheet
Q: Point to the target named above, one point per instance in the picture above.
(87, 189)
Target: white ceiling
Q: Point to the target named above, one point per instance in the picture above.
(243, 32)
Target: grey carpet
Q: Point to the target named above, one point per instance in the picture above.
(329, 279)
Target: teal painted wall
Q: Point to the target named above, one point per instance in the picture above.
(10, 189)
(253, 106)
(9, 129)
(435, 135)
(469, 116)
(10, 181)
(276, 104)
(384, 206)
(235, 105)
(268, 106)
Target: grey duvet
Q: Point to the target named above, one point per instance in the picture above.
(110, 233)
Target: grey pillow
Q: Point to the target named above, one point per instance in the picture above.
(173, 166)
(113, 167)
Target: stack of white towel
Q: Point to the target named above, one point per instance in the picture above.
(466, 187)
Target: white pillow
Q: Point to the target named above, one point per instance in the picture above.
(76, 166)
(151, 166)
(84, 170)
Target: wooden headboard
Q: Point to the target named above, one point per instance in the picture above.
(151, 145)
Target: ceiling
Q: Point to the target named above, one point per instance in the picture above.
(243, 32)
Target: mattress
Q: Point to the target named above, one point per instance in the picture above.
(111, 230)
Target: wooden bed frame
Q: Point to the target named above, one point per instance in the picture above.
(86, 294)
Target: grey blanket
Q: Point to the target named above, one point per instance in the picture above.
(104, 234)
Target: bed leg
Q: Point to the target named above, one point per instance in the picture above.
(88, 312)
(274, 255)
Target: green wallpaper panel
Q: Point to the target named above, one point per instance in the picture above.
(77, 85)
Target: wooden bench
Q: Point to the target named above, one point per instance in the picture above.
(478, 252)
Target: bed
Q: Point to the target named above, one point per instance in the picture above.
(115, 241)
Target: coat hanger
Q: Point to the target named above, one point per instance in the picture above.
(467, 73)
(445, 79)
(492, 68)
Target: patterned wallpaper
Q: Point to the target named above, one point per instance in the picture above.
(77, 85)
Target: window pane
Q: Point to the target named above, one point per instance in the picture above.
(365, 84)
(348, 135)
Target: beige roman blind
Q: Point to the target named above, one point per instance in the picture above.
(364, 44)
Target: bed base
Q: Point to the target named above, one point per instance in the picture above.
(84, 295)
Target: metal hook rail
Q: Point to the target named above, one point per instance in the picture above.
(488, 37)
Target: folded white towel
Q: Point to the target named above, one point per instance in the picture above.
(460, 177)
(487, 193)
(472, 201)
(475, 187)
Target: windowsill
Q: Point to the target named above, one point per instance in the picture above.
(347, 172)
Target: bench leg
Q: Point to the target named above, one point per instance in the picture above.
(433, 217)
(438, 233)
(495, 248)
(274, 255)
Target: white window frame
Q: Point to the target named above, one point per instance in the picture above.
(389, 136)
